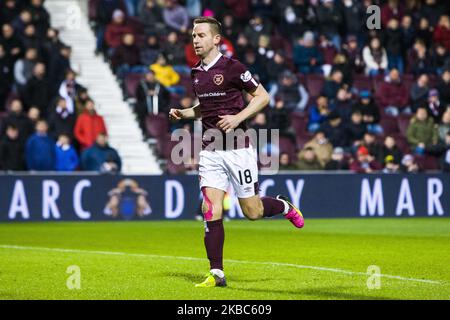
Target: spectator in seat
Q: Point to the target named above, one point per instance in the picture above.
(151, 50)
(277, 66)
(444, 126)
(442, 150)
(409, 164)
(41, 17)
(12, 150)
(323, 149)
(21, 21)
(422, 132)
(334, 130)
(70, 89)
(354, 55)
(355, 128)
(371, 114)
(369, 141)
(152, 97)
(308, 161)
(441, 34)
(6, 76)
(285, 162)
(61, 121)
(175, 16)
(408, 31)
(164, 72)
(390, 165)
(88, 126)
(393, 9)
(393, 40)
(256, 27)
(101, 157)
(173, 50)
(294, 95)
(418, 58)
(151, 15)
(440, 59)
(332, 85)
(11, 42)
(389, 148)
(443, 87)
(116, 30)
(337, 161)
(279, 118)
(9, 10)
(392, 94)
(23, 68)
(375, 57)
(17, 118)
(330, 21)
(419, 92)
(364, 162)
(307, 56)
(29, 37)
(105, 10)
(127, 57)
(66, 158)
(37, 91)
(40, 149)
(59, 65)
(318, 113)
(344, 103)
(435, 107)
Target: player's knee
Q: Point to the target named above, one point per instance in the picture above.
(211, 210)
(253, 212)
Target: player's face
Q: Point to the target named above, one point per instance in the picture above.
(203, 39)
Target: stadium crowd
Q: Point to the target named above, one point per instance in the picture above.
(343, 96)
(48, 121)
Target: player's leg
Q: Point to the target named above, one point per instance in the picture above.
(213, 183)
(214, 236)
(243, 169)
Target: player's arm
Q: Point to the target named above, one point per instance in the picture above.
(190, 113)
(259, 101)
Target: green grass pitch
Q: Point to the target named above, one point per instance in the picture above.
(328, 259)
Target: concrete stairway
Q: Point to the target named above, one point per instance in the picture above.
(124, 133)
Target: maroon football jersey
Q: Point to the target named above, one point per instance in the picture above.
(218, 87)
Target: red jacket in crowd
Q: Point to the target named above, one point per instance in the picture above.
(115, 32)
(88, 127)
(442, 36)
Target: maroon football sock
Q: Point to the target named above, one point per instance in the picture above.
(214, 239)
(272, 206)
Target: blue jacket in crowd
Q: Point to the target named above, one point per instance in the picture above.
(66, 158)
(93, 158)
(40, 153)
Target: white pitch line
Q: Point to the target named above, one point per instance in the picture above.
(272, 264)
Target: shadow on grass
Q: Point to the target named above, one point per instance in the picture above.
(315, 293)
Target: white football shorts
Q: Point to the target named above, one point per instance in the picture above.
(240, 167)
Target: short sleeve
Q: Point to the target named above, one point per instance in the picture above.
(243, 78)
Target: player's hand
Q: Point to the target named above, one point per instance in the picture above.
(175, 115)
(228, 122)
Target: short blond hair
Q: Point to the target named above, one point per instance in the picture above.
(214, 24)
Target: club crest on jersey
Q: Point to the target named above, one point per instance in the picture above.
(246, 77)
(218, 79)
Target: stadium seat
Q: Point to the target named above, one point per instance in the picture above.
(314, 84)
(389, 125)
(157, 125)
(427, 162)
(131, 84)
(362, 82)
(287, 146)
(403, 123)
(402, 143)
